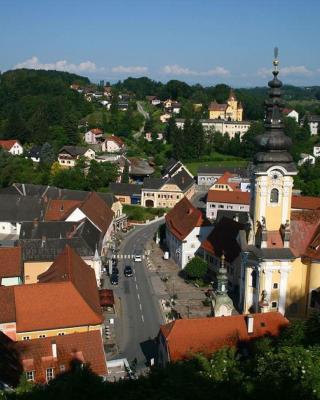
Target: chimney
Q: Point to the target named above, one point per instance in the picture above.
(43, 241)
(61, 207)
(250, 320)
(54, 349)
(35, 223)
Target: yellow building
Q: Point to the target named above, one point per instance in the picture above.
(230, 111)
(280, 253)
(167, 192)
(65, 301)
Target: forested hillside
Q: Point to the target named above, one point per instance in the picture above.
(38, 106)
(303, 99)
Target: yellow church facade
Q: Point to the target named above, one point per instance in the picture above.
(280, 251)
(230, 111)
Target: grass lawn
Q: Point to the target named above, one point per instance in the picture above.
(217, 160)
(138, 213)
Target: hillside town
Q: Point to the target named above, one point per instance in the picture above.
(159, 201)
(233, 250)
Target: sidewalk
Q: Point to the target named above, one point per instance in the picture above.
(167, 284)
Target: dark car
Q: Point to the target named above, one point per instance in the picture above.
(114, 279)
(115, 271)
(128, 271)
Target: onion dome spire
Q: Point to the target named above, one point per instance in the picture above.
(274, 144)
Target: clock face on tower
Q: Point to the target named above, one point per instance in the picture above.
(275, 175)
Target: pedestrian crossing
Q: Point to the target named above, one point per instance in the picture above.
(127, 256)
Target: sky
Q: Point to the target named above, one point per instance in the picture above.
(205, 41)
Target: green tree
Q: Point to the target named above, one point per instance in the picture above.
(196, 268)
(125, 175)
(70, 127)
(47, 154)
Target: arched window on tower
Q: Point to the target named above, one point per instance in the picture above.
(274, 196)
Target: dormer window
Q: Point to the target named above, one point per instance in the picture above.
(274, 196)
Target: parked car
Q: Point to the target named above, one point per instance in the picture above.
(128, 271)
(137, 258)
(115, 271)
(114, 279)
(166, 255)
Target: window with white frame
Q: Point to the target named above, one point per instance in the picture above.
(30, 375)
(49, 374)
(26, 338)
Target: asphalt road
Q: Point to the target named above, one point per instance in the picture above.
(140, 315)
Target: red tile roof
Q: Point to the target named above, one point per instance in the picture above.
(97, 211)
(10, 262)
(96, 131)
(305, 202)
(206, 335)
(224, 196)
(223, 239)
(115, 139)
(58, 210)
(7, 305)
(8, 144)
(87, 347)
(57, 305)
(183, 218)
(69, 266)
(304, 236)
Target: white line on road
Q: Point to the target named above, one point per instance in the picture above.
(142, 317)
(140, 306)
(137, 287)
(138, 296)
(135, 278)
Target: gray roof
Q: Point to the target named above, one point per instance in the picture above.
(212, 121)
(40, 247)
(239, 216)
(53, 193)
(74, 151)
(127, 189)
(221, 170)
(16, 208)
(182, 179)
(153, 183)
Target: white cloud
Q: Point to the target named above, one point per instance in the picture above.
(120, 69)
(61, 65)
(176, 69)
(285, 71)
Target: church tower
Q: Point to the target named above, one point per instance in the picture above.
(273, 168)
(222, 304)
(266, 254)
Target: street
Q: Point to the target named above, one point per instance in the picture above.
(139, 317)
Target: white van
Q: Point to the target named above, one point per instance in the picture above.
(166, 255)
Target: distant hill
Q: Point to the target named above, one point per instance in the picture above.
(38, 106)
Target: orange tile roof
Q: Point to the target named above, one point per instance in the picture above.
(36, 355)
(183, 218)
(224, 196)
(45, 306)
(185, 337)
(8, 144)
(10, 262)
(224, 179)
(69, 266)
(58, 210)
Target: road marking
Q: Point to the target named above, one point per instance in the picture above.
(140, 306)
(138, 296)
(142, 317)
(135, 278)
(137, 287)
